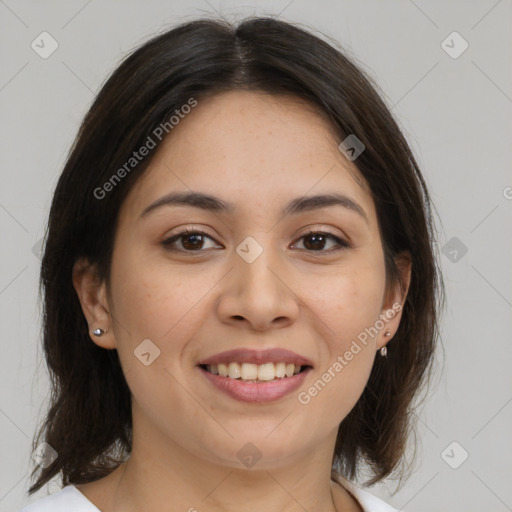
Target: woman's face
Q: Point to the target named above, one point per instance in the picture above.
(252, 280)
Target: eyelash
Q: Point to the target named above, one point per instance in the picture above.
(342, 245)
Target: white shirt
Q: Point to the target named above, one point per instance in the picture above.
(70, 499)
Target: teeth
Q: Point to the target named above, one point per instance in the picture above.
(253, 372)
(266, 371)
(223, 369)
(249, 371)
(281, 370)
(234, 370)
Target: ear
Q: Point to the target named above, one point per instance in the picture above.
(92, 294)
(394, 300)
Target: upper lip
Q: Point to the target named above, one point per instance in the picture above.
(245, 355)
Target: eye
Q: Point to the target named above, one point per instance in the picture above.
(193, 241)
(190, 241)
(316, 241)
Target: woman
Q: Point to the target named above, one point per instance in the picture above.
(240, 295)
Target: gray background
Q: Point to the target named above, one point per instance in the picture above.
(456, 113)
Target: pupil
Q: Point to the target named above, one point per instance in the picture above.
(195, 244)
(316, 239)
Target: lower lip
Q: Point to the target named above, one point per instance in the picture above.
(256, 392)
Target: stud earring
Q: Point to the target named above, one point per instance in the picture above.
(384, 350)
(99, 332)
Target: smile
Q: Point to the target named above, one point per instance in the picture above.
(250, 372)
(257, 376)
(257, 391)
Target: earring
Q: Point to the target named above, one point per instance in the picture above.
(384, 350)
(99, 332)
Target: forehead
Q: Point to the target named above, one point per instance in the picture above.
(253, 149)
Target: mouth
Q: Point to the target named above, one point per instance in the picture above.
(256, 376)
(250, 372)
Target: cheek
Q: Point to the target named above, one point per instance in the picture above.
(148, 297)
(350, 302)
(155, 302)
(348, 309)
(348, 355)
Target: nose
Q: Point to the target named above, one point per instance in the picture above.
(258, 295)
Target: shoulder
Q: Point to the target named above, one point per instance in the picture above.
(367, 501)
(68, 499)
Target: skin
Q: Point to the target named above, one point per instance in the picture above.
(259, 152)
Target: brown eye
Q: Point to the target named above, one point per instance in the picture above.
(317, 240)
(190, 241)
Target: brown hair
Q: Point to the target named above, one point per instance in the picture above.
(88, 421)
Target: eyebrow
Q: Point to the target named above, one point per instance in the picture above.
(214, 204)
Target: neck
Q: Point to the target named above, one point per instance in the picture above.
(174, 479)
(188, 485)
